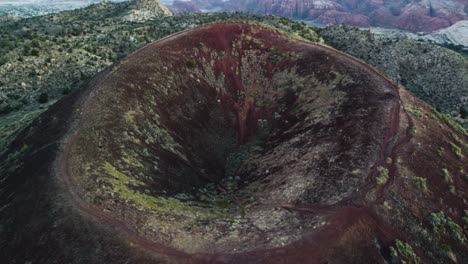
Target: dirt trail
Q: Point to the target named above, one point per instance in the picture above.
(129, 233)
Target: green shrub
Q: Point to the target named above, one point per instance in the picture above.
(448, 178)
(448, 250)
(465, 217)
(464, 111)
(456, 150)
(452, 189)
(420, 184)
(66, 91)
(445, 225)
(405, 252)
(3, 60)
(5, 109)
(382, 178)
(191, 63)
(43, 98)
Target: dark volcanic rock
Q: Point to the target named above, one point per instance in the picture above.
(235, 143)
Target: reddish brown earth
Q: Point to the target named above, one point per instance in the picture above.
(413, 15)
(99, 177)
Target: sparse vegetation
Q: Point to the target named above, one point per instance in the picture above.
(123, 186)
(440, 151)
(456, 150)
(437, 83)
(465, 217)
(448, 178)
(57, 53)
(442, 224)
(449, 252)
(416, 112)
(191, 63)
(275, 56)
(452, 123)
(420, 184)
(404, 252)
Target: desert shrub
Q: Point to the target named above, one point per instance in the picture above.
(382, 177)
(420, 184)
(457, 151)
(405, 252)
(43, 98)
(448, 178)
(442, 224)
(3, 60)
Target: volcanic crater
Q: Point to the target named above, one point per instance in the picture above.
(230, 142)
(203, 139)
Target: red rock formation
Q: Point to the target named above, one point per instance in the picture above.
(412, 15)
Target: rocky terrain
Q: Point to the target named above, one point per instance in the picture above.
(455, 36)
(413, 15)
(435, 74)
(144, 10)
(236, 142)
(30, 8)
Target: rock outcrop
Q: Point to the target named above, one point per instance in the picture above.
(142, 10)
(456, 35)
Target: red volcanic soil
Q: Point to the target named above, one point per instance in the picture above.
(329, 156)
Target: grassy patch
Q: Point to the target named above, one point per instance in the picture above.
(121, 185)
(416, 112)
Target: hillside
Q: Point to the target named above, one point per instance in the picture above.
(435, 74)
(43, 59)
(236, 142)
(29, 8)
